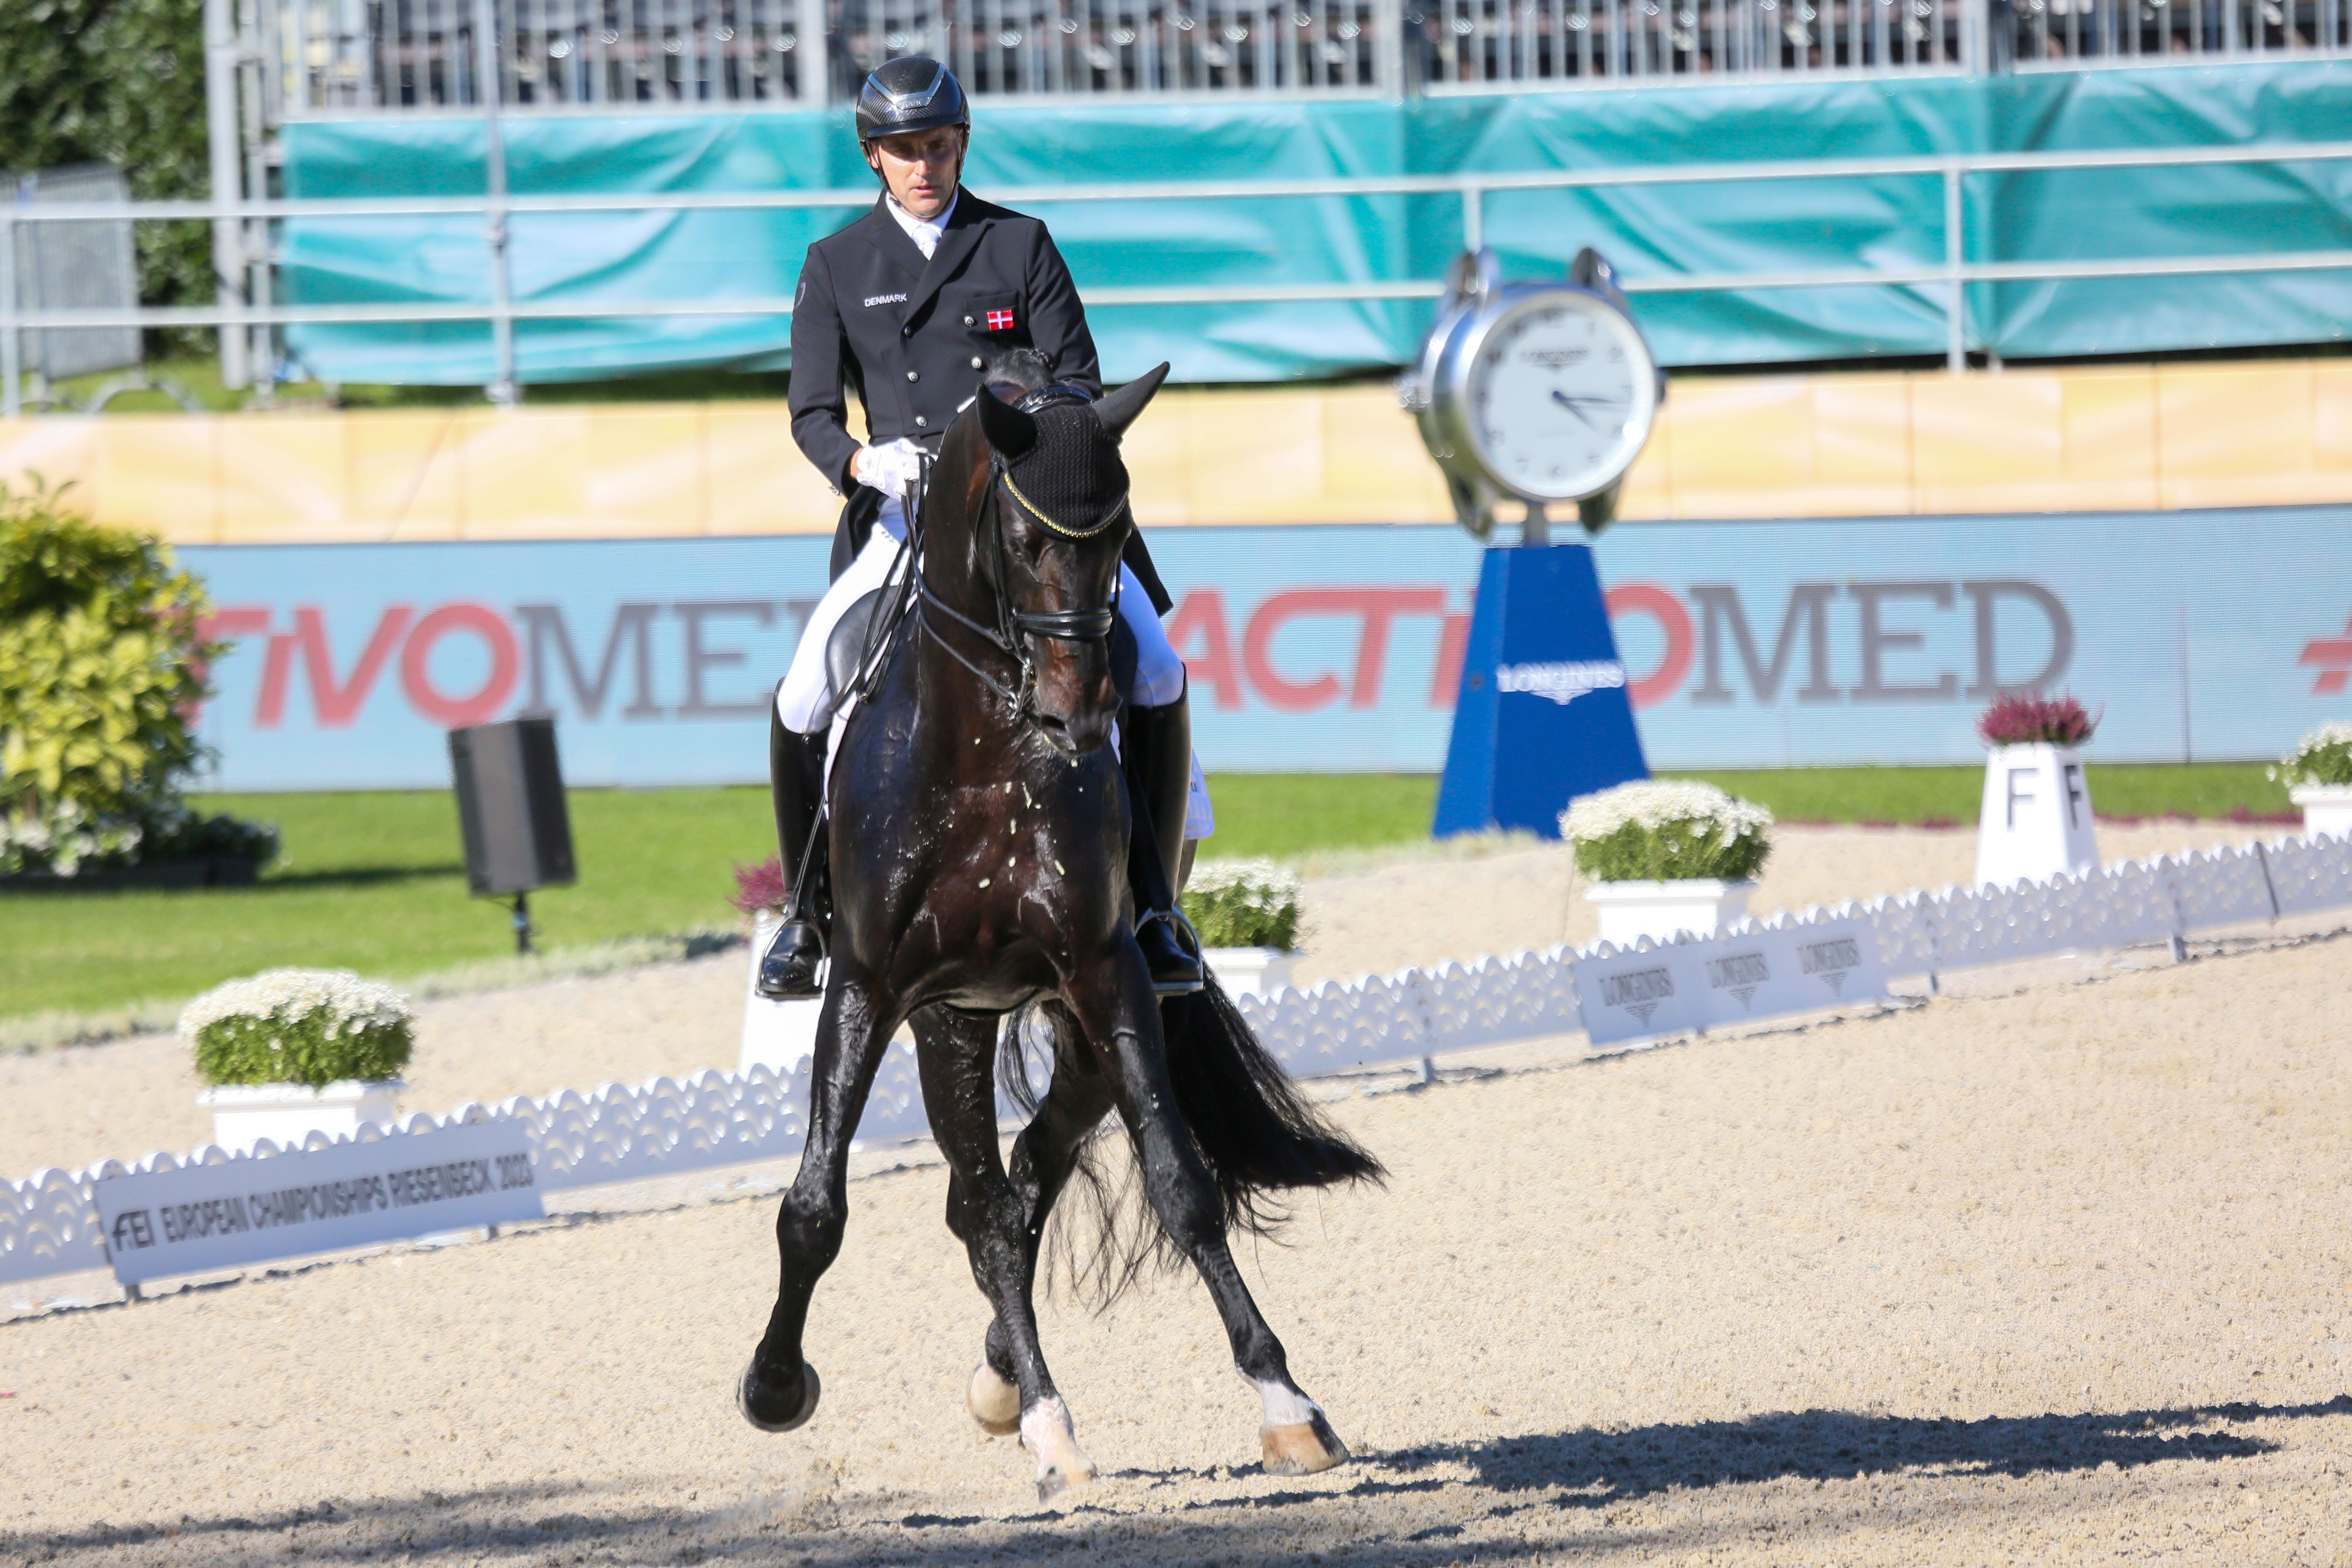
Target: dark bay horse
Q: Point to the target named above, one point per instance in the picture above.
(979, 834)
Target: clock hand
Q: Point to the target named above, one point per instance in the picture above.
(1565, 401)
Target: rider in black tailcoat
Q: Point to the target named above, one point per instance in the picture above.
(912, 334)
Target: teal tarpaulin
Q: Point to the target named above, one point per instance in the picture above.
(1778, 225)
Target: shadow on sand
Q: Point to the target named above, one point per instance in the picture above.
(1576, 1471)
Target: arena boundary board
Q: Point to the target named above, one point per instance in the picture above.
(49, 1222)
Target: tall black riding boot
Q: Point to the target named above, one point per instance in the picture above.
(796, 782)
(1156, 754)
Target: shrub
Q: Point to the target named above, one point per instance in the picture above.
(2025, 720)
(101, 664)
(2324, 757)
(1243, 903)
(1661, 830)
(313, 1026)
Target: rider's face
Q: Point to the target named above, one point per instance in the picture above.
(920, 167)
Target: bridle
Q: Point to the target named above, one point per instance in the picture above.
(1013, 629)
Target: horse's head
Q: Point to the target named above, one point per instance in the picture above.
(1048, 493)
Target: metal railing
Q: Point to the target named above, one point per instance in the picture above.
(343, 57)
(1951, 273)
(2066, 33)
(1486, 43)
(338, 58)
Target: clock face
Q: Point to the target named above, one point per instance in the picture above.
(1558, 395)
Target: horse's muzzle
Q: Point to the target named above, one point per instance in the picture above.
(1076, 734)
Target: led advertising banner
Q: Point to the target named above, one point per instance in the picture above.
(2202, 635)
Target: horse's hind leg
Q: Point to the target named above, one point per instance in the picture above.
(958, 1054)
(1122, 1016)
(1042, 1157)
(779, 1391)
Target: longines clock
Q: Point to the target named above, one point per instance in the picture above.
(1541, 391)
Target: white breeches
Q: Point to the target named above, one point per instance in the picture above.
(802, 699)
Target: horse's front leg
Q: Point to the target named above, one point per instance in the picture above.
(779, 1391)
(1119, 1013)
(957, 1051)
(1042, 1157)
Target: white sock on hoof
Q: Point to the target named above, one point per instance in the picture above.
(1047, 1432)
(1284, 1406)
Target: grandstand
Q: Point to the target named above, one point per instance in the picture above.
(1270, 190)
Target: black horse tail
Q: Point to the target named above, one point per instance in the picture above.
(1252, 1128)
(1257, 1134)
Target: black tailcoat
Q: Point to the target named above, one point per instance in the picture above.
(912, 336)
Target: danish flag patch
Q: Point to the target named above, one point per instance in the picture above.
(999, 320)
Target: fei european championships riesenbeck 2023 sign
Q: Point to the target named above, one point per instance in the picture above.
(2201, 635)
(200, 1219)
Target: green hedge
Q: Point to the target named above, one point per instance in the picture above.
(311, 1049)
(1679, 851)
(1243, 903)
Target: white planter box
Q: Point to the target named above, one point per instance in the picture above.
(779, 1036)
(2036, 819)
(1700, 905)
(286, 1113)
(1250, 971)
(2327, 808)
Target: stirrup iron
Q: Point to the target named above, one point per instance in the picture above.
(1174, 958)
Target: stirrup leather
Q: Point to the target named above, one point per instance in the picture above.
(789, 969)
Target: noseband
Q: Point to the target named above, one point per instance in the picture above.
(1014, 627)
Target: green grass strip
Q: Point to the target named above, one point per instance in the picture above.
(375, 881)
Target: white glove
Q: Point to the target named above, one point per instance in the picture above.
(891, 468)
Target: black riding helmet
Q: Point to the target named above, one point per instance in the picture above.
(910, 93)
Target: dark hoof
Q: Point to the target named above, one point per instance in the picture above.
(1303, 1450)
(765, 1409)
(788, 970)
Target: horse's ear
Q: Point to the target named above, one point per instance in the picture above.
(1009, 430)
(1117, 410)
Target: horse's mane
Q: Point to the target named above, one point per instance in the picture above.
(1018, 371)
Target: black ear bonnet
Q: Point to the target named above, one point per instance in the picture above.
(1071, 474)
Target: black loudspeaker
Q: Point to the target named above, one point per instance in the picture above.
(510, 807)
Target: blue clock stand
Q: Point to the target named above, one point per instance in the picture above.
(1542, 714)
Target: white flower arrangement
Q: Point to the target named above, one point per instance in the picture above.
(2324, 757)
(1666, 830)
(298, 1026)
(1243, 903)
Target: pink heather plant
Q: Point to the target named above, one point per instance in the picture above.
(2026, 719)
(760, 887)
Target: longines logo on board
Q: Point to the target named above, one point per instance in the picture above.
(1562, 682)
(1831, 960)
(1741, 974)
(1638, 991)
